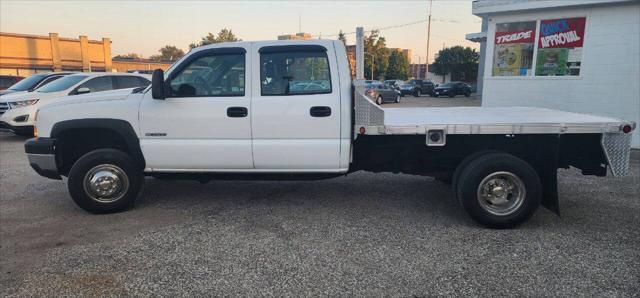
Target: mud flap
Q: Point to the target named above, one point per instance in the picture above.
(547, 160)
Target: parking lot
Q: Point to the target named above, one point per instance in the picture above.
(365, 234)
(428, 101)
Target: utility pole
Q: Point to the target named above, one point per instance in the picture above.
(426, 73)
(359, 53)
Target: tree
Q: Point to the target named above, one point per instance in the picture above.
(168, 53)
(128, 56)
(460, 62)
(375, 45)
(223, 36)
(342, 37)
(398, 68)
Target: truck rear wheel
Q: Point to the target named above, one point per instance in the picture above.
(105, 180)
(499, 190)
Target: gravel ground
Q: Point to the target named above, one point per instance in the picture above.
(365, 235)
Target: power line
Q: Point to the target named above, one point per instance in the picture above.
(398, 26)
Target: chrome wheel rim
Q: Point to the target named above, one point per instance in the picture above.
(106, 183)
(501, 193)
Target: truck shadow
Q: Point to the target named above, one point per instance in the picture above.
(358, 196)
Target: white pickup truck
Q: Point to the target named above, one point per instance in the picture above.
(289, 110)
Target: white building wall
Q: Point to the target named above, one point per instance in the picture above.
(609, 81)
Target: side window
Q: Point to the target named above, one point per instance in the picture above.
(98, 84)
(143, 82)
(123, 82)
(212, 75)
(294, 73)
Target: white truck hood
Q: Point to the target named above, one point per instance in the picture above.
(119, 94)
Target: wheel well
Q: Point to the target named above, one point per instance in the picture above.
(72, 144)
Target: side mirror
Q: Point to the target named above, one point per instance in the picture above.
(157, 84)
(83, 90)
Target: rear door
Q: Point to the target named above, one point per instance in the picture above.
(296, 109)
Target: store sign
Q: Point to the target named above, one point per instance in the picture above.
(560, 44)
(525, 36)
(562, 33)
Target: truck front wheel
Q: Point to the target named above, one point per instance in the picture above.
(499, 190)
(105, 180)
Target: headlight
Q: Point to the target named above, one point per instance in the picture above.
(22, 103)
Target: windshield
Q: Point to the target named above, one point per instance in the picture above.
(61, 84)
(446, 85)
(28, 83)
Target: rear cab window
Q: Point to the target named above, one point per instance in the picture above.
(294, 70)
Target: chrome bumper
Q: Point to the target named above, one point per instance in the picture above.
(42, 157)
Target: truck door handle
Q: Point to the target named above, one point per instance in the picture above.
(320, 111)
(237, 112)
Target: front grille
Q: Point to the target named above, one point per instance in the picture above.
(3, 107)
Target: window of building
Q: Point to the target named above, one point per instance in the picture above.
(295, 73)
(513, 51)
(211, 75)
(560, 47)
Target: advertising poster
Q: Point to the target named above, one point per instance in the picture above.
(507, 61)
(513, 50)
(560, 47)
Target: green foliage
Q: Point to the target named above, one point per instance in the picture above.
(460, 62)
(375, 45)
(342, 37)
(168, 53)
(128, 56)
(398, 68)
(224, 35)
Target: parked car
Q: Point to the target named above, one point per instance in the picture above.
(417, 87)
(18, 111)
(381, 93)
(141, 71)
(452, 89)
(33, 82)
(502, 162)
(7, 81)
(395, 84)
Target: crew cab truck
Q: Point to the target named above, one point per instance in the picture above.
(289, 110)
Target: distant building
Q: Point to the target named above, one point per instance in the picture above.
(297, 36)
(575, 55)
(24, 54)
(418, 70)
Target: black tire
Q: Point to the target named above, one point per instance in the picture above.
(417, 93)
(452, 95)
(110, 158)
(496, 165)
(379, 101)
(436, 95)
(397, 98)
(463, 164)
(467, 94)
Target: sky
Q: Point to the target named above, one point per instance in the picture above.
(145, 26)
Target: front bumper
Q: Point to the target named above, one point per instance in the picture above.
(20, 130)
(42, 156)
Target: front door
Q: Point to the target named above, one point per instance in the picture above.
(204, 123)
(296, 109)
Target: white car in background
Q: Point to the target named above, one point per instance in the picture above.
(17, 111)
